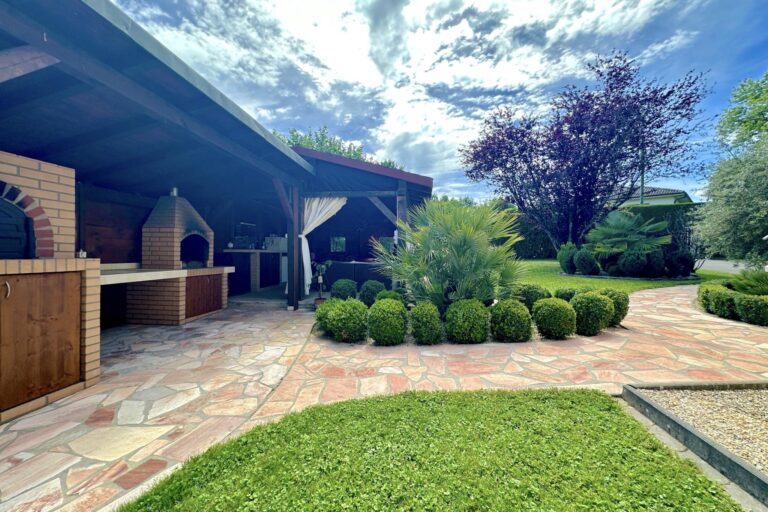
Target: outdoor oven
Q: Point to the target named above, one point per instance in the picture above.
(175, 236)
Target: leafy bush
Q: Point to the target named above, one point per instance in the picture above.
(453, 251)
(535, 244)
(613, 270)
(555, 318)
(722, 302)
(751, 282)
(752, 309)
(623, 231)
(425, 324)
(530, 293)
(466, 321)
(565, 257)
(348, 320)
(593, 313)
(344, 289)
(568, 293)
(703, 293)
(680, 263)
(655, 265)
(370, 290)
(620, 304)
(510, 321)
(632, 263)
(585, 262)
(390, 294)
(323, 311)
(387, 322)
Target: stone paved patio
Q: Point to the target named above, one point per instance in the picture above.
(169, 393)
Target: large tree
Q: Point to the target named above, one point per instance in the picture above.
(566, 170)
(734, 220)
(746, 118)
(322, 140)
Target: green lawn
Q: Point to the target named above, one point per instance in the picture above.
(542, 450)
(547, 274)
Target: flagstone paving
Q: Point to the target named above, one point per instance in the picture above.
(169, 393)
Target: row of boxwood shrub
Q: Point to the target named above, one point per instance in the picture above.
(719, 299)
(583, 311)
(667, 262)
(370, 292)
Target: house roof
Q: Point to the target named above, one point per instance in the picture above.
(658, 191)
(122, 109)
(381, 170)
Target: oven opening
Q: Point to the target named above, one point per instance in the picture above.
(194, 252)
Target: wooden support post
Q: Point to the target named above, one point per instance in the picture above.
(402, 201)
(293, 252)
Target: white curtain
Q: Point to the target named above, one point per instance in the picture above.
(317, 210)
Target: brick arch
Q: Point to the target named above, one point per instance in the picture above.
(41, 224)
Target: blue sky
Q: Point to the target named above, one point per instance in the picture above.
(412, 79)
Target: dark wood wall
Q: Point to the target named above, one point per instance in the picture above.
(110, 223)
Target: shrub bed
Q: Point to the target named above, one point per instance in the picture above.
(726, 303)
(593, 313)
(620, 304)
(344, 289)
(348, 320)
(425, 324)
(466, 321)
(387, 322)
(510, 321)
(554, 318)
(370, 290)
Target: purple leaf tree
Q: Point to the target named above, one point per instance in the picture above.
(566, 170)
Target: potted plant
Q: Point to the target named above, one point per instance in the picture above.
(320, 270)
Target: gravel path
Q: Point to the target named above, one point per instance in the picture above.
(737, 419)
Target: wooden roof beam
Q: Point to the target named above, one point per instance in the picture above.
(23, 60)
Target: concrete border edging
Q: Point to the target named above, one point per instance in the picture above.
(733, 467)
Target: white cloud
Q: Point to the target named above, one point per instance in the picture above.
(411, 79)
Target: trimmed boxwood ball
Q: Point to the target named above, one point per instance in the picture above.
(555, 318)
(680, 263)
(390, 294)
(466, 321)
(568, 293)
(565, 258)
(344, 289)
(425, 324)
(348, 321)
(387, 322)
(530, 293)
(370, 290)
(620, 304)
(593, 313)
(510, 321)
(655, 265)
(752, 309)
(322, 312)
(585, 262)
(632, 263)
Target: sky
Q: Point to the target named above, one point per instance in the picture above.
(412, 80)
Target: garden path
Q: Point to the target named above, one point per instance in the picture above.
(169, 393)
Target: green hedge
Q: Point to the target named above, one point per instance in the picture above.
(752, 309)
(387, 322)
(344, 289)
(348, 320)
(370, 290)
(510, 321)
(593, 313)
(726, 303)
(555, 318)
(425, 324)
(466, 321)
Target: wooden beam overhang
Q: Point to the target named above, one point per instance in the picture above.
(282, 196)
(23, 60)
(74, 62)
(352, 193)
(378, 203)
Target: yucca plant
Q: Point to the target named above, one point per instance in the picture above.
(452, 251)
(751, 282)
(622, 232)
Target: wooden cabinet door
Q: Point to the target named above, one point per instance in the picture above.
(39, 335)
(203, 295)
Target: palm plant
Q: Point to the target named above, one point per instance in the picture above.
(452, 251)
(622, 232)
(751, 282)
